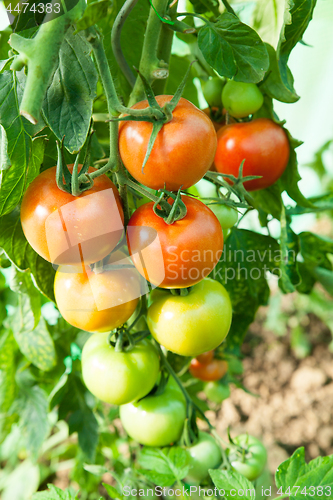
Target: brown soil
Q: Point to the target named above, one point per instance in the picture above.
(294, 406)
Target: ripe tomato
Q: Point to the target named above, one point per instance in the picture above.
(227, 216)
(212, 91)
(214, 370)
(252, 460)
(241, 99)
(217, 392)
(156, 420)
(205, 357)
(183, 151)
(192, 324)
(65, 229)
(261, 143)
(97, 302)
(118, 377)
(205, 454)
(176, 255)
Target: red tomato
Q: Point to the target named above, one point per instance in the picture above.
(214, 370)
(65, 229)
(183, 151)
(261, 143)
(206, 357)
(178, 255)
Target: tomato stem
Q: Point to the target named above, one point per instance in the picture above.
(150, 65)
(115, 40)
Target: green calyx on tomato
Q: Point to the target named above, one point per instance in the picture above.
(217, 392)
(156, 420)
(241, 99)
(227, 216)
(119, 377)
(205, 454)
(247, 456)
(193, 324)
(212, 91)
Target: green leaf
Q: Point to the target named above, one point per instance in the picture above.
(318, 204)
(21, 282)
(268, 18)
(20, 253)
(246, 259)
(32, 407)
(4, 158)
(269, 200)
(231, 480)
(22, 481)
(112, 492)
(84, 422)
(202, 6)
(68, 102)
(54, 493)
(93, 13)
(290, 177)
(234, 49)
(290, 249)
(275, 86)
(315, 249)
(7, 381)
(325, 278)
(300, 15)
(295, 472)
(36, 344)
(19, 133)
(164, 466)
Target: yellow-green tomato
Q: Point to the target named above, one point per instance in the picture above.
(118, 377)
(241, 99)
(192, 324)
(205, 454)
(217, 392)
(156, 420)
(227, 216)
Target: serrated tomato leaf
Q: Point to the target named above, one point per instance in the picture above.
(234, 49)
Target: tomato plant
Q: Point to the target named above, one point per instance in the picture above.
(261, 143)
(248, 456)
(117, 193)
(193, 324)
(156, 420)
(182, 153)
(205, 454)
(118, 377)
(241, 99)
(175, 255)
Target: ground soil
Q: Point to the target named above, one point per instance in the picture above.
(294, 406)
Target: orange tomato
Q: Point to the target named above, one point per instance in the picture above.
(208, 372)
(183, 151)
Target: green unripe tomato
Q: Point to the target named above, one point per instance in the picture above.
(217, 392)
(241, 99)
(212, 91)
(205, 454)
(251, 462)
(227, 216)
(118, 377)
(156, 420)
(235, 366)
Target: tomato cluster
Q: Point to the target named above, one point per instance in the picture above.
(100, 280)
